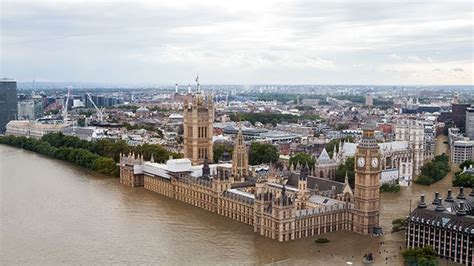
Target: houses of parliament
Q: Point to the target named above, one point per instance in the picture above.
(281, 205)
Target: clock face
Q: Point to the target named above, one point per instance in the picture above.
(375, 162)
(361, 161)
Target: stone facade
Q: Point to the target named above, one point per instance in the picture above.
(198, 122)
(283, 206)
(240, 159)
(367, 185)
(325, 166)
(413, 132)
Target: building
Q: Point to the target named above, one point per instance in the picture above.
(459, 115)
(396, 160)
(26, 110)
(367, 185)
(279, 205)
(325, 166)
(470, 123)
(8, 105)
(454, 134)
(85, 133)
(198, 122)
(412, 131)
(369, 99)
(462, 150)
(446, 226)
(31, 129)
(240, 159)
(142, 112)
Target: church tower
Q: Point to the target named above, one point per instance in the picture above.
(198, 121)
(240, 159)
(367, 184)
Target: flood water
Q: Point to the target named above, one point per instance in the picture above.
(53, 212)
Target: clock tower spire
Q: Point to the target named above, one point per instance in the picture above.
(367, 183)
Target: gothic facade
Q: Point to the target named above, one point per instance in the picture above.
(240, 159)
(413, 132)
(281, 206)
(198, 120)
(396, 157)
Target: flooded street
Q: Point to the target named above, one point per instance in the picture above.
(53, 212)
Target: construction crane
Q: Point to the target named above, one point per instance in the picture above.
(64, 114)
(100, 112)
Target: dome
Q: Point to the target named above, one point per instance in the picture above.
(225, 157)
(142, 110)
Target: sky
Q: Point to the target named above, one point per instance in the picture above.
(239, 42)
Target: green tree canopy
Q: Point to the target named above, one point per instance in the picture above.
(434, 171)
(335, 143)
(347, 166)
(220, 148)
(302, 158)
(466, 164)
(421, 256)
(463, 180)
(263, 153)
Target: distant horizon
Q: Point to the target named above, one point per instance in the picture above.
(64, 83)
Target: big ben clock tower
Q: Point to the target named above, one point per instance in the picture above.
(367, 184)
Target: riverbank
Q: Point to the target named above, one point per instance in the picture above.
(87, 218)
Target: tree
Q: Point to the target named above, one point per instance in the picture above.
(81, 122)
(303, 158)
(346, 167)
(463, 180)
(335, 144)
(220, 148)
(466, 164)
(263, 153)
(425, 256)
(434, 171)
(106, 166)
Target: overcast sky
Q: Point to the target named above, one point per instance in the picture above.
(239, 42)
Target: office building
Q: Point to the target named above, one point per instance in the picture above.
(447, 226)
(462, 150)
(8, 105)
(470, 123)
(369, 99)
(459, 115)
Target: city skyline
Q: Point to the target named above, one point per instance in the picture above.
(420, 43)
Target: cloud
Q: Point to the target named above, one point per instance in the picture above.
(236, 42)
(458, 70)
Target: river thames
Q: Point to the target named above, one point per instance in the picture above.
(53, 212)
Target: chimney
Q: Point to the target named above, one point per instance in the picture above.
(462, 210)
(439, 207)
(422, 203)
(450, 196)
(436, 199)
(461, 195)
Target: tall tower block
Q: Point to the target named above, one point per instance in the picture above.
(367, 184)
(240, 159)
(198, 121)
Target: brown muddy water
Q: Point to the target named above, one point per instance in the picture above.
(56, 213)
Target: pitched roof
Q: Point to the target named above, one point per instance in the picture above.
(322, 184)
(324, 158)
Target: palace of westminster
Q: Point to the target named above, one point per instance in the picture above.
(281, 205)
